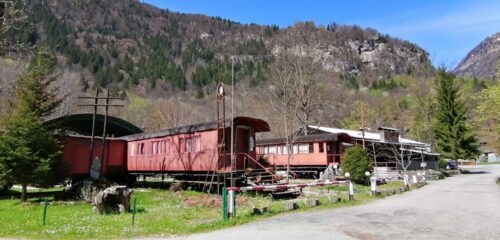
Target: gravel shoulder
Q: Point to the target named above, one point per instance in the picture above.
(461, 207)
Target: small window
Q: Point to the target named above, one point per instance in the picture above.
(285, 149)
(295, 149)
(189, 145)
(154, 148)
(321, 147)
(182, 145)
(132, 150)
(303, 148)
(196, 144)
(140, 149)
(311, 147)
(273, 150)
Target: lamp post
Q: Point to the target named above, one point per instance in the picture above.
(373, 183)
(351, 188)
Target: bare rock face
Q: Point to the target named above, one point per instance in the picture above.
(113, 199)
(482, 61)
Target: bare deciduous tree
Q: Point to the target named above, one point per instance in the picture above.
(296, 91)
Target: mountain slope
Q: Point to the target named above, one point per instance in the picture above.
(482, 61)
(127, 44)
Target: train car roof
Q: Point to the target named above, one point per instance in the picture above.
(259, 125)
(81, 123)
(307, 138)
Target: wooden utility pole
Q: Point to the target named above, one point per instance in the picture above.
(95, 105)
(362, 112)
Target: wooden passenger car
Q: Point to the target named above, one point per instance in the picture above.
(193, 149)
(77, 156)
(311, 154)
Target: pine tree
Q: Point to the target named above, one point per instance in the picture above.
(453, 133)
(29, 152)
(356, 162)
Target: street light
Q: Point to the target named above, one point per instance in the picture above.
(373, 183)
(351, 188)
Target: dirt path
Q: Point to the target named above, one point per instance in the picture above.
(460, 207)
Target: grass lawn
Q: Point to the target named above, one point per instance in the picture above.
(160, 213)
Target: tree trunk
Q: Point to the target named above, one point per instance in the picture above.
(24, 192)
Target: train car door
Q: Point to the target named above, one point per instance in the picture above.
(243, 145)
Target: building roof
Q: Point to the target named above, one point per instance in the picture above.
(259, 125)
(368, 135)
(307, 138)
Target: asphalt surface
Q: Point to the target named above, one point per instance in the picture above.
(461, 207)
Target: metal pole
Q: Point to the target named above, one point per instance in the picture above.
(134, 210)
(45, 211)
(104, 132)
(231, 205)
(375, 168)
(233, 145)
(351, 191)
(362, 123)
(93, 127)
(224, 203)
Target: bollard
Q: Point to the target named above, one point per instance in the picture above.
(44, 211)
(405, 179)
(231, 204)
(351, 191)
(134, 210)
(373, 185)
(224, 204)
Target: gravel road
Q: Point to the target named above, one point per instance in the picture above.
(460, 207)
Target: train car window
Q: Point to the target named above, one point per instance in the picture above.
(321, 147)
(197, 144)
(189, 145)
(168, 146)
(154, 147)
(285, 149)
(295, 149)
(303, 148)
(140, 149)
(251, 144)
(182, 145)
(273, 150)
(132, 150)
(311, 147)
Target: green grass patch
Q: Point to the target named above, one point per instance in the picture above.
(160, 213)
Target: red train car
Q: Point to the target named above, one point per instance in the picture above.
(196, 149)
(311, 154)
(77, 156)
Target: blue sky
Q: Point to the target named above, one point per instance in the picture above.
(446, 29)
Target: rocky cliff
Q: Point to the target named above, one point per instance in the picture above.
(482, 61)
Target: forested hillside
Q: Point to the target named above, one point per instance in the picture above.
(167, 64)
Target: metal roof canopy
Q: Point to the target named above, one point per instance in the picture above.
(81, 123)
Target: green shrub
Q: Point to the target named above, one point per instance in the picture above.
(356, 162)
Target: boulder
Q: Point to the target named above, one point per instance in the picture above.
(113, 199)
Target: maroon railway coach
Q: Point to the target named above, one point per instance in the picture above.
(196, 150)
(78, 158)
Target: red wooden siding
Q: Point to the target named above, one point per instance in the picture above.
(183, 152)
(77, 155)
